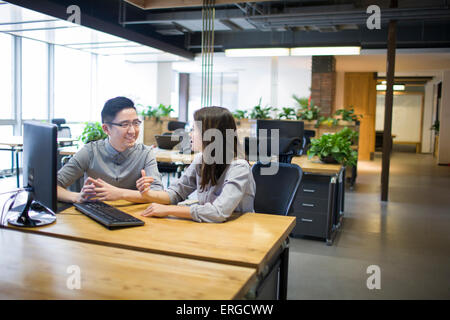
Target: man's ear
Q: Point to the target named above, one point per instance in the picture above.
(105, 128)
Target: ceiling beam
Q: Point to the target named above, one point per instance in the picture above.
(164, 4)
(433, 35)
(108, 26)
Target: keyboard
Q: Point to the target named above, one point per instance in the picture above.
(107, 215)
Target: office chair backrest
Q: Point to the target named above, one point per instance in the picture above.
(275, 193)
(64, 132)
(59, 122)
(287, 148)
(174, 125)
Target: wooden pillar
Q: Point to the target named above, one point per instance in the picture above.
(387, 134)
(360, 93)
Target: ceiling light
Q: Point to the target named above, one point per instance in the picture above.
(397, 87)
(258, 52)
(325, 51)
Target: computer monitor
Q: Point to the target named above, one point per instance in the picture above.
(287, 128)
(39, 175)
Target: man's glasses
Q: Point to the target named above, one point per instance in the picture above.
(127, 124)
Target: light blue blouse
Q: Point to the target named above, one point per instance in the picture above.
(234, 191)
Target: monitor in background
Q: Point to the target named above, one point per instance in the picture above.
(288, 128)
(39, 175)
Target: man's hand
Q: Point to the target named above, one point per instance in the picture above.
(143, 184)
(105, 192)
(87, 192)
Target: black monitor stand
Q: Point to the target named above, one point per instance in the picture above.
(33, 214)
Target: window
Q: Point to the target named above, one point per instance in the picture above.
(34, 79)
(136, 81)
(224, 93)
(72, 92)
(6, 79)
(5, 157)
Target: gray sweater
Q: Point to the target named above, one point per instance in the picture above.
(99, 159)
(234, 191)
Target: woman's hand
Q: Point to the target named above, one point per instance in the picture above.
(143, 184)
(156, 210)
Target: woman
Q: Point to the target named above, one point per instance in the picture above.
(224, 183)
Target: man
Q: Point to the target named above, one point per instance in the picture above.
(112, 165)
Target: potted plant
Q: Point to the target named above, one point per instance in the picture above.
(335, 148)
(261, 113)
(348, 115)
(155, 121)
(435, 127)
(287, 113)
(92, 132)
(307, 111)
(240, 114)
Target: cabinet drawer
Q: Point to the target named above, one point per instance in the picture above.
(310, 225)
(310, 205)
(314, 186)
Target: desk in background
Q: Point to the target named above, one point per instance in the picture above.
(36, 267)
(14, 144)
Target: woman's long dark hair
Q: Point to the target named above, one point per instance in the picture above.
(221, 119)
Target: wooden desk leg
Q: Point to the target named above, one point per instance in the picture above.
(284, 269)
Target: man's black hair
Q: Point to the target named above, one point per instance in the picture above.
(114, 106)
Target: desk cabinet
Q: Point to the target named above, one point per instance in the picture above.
(319, 205)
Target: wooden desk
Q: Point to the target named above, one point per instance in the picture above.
(36, 267)
(251, 240)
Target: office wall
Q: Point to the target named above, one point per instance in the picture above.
(117, 77)
(406, 116)
(444, 118)
(258, 77)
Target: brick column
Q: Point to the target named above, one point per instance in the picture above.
(323, 83)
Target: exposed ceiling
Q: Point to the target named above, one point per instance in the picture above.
(421, 24)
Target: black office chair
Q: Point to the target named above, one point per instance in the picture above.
(275, 193)
(287, 148)
(307, 135)
(174, 125)
(63, 131)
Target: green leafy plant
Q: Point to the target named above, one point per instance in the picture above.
(164, 111)
(435, 127)
(259, 112)
(240, 114)
(348, 114)
(150, 112)
(306, 111)
(302, 102)
(156, 112)
(287, 113)
(92, 132)
(329, 121)
(335, 147)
